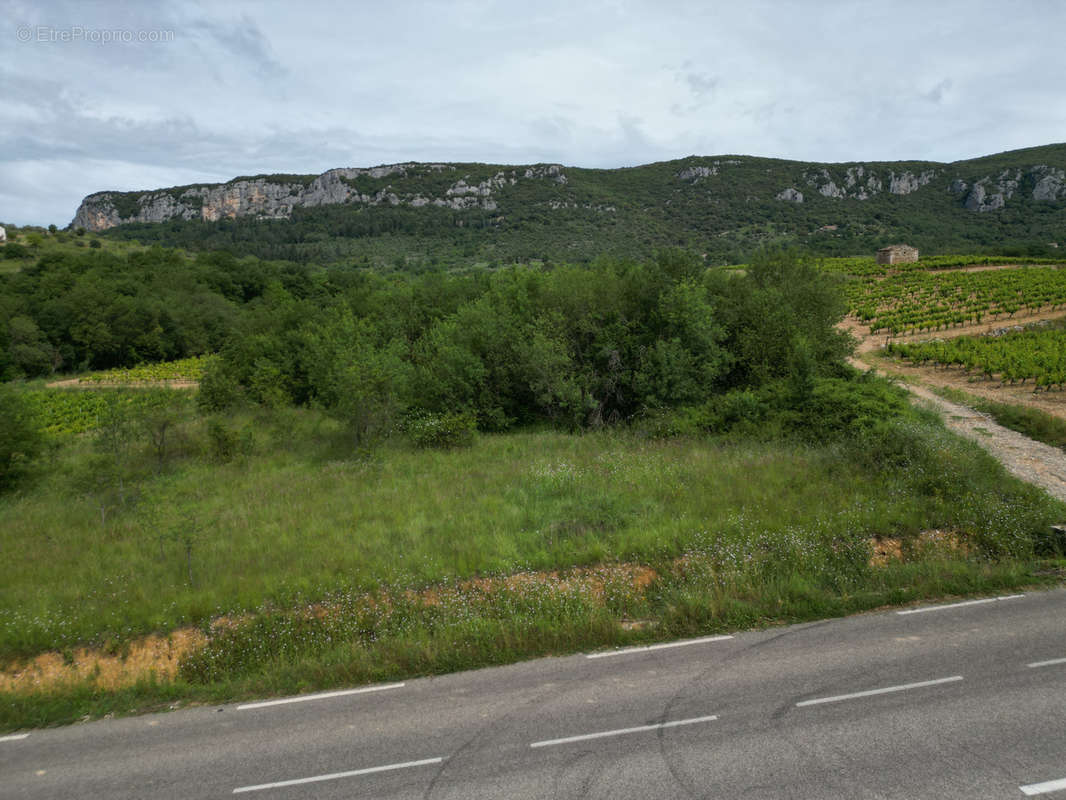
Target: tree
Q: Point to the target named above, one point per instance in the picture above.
(782, 317)
(359, 379)
(20, 437)
(30, 352)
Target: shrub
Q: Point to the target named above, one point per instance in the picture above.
(225, 443)
(442, 430)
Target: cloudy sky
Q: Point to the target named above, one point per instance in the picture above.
(128, 95)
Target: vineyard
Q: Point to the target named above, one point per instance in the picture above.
(920, 301)
(867, 266)
(1037, 355)
(184, 370)
(63, 413)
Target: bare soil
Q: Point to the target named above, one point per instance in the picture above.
(77, 383)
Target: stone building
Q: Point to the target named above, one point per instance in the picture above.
(897, 254)
(3, 235)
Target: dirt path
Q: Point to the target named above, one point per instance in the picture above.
(77, 383)
(1053, 403)
(1032, 461)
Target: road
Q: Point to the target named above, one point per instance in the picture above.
(953, 701)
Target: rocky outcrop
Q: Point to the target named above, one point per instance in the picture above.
(792, 195)
(695, 173)
(992, 193)
(1050, 183)
(862, 186)
(907, 182)
(830, 189)
(979, 199)
(861, 182)
(989, 195)
(275, 197)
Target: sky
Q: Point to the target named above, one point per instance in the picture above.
(141, 95)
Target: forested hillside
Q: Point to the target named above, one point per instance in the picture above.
(432, 215)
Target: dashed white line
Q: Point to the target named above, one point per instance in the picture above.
(663, 646)
(871, 692)
(1047, 663)
(1044, 788)
(303, 698)
(622, 731)
(924, 609)
(335, 775)
(11, 737)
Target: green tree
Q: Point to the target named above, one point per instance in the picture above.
(783, 315)
(358, 378)
(21, 440)
(30, 351)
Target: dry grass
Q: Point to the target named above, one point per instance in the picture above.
(150, 656)
(885, 550)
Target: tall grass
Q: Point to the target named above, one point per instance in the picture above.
(285, 525)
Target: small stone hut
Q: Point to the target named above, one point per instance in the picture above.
(897, 254)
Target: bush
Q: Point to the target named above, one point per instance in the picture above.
(225, 443)
(836, 406)
(442, 430)
(219, 388)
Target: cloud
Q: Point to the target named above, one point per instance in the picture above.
(241, 40)
(938, 92)
(247, 88)
(700, 83)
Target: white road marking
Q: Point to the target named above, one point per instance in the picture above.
(1047, 663)
(622, 731)
(886, 690)
(303, 698)
(1044, 788)
(923, 609)
(13, 736)
(335, 775)
(663, 646)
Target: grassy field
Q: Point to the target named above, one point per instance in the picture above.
(262, 551)
(731, 532)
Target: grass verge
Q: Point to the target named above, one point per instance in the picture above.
(295, 651)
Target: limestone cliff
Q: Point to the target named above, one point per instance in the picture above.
(691, 186)
(275, 197)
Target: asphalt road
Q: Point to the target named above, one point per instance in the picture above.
(957, 701)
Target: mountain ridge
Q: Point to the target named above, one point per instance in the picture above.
(693, 201)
